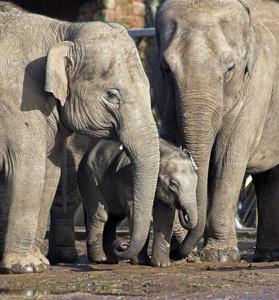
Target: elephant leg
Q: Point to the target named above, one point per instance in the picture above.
(51, 181)
(143, 257)
(220, 240)
(22, 202)
(96, 218)
(4, 211)
(61, 234)
(62, 239)
(163, 218)
(109, 237)
(267, 191)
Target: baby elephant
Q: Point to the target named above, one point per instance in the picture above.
(106, 186)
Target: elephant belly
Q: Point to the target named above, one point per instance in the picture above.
(263, 161)
(266, 154)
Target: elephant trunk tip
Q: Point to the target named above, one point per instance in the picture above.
(186, 221)
(120, 249)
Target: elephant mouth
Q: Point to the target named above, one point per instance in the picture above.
(184, 219)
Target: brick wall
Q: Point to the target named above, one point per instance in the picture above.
(129, 13)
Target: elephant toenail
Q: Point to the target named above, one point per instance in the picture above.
(39, 268)
(25, 269)
(46, 266)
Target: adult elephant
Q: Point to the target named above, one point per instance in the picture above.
(217, 65)
(61, 238)
(57, 78)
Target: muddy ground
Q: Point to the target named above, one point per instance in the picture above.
(183, 280)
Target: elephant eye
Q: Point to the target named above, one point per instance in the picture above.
(113, 95)
(231, 66)
(229, 72)
(164, 67)
(173, 185)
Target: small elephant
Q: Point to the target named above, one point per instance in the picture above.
(106, 186)
(58, 78)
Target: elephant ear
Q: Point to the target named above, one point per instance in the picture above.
(252, 49)
(252, 52)
(58, 68)
(191, 159)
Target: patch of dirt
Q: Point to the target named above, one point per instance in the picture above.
(183, 280)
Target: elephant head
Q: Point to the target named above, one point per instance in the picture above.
(206, 57)
(97, 76)
(177, 182)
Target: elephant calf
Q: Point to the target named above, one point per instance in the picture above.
(105, 183)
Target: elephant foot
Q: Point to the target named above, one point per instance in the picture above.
(266, 255)
(41, 257)
(229, 255)
(97, 257)
(66, 255)
(160, 261)
(18, 264)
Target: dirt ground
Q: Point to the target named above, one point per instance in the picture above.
(183, 280)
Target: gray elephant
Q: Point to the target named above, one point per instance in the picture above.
(61, 237)
(217, 65)
(105, 181)
(59, 78)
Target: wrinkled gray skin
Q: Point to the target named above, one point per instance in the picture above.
(217, 62)
(105, 183)
(60, 77)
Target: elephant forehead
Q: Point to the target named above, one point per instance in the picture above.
(200, 12)
(104, 60)
(178, 166)
(183, 179)
(180, 6)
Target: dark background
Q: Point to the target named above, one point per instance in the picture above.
(60, 9)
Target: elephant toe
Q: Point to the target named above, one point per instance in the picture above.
(29, 269)
(97, 258)
(228, 255)
(160, 262)
(18, 269)
(41, 268)
(266, 255)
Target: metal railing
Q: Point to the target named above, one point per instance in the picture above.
(140, 33)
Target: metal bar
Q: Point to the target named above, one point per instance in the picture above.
(138, 34)
(142, 32)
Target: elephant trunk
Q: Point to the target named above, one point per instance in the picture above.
(194, 234)
(143, 151)
(199, 119)
(188, 214)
